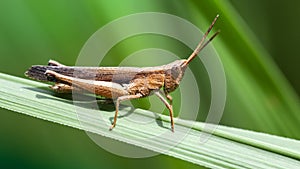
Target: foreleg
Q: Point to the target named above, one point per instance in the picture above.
(168, 105)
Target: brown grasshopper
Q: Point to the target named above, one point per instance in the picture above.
(120, 83)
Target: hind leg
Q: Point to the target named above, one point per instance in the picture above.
(102, 88)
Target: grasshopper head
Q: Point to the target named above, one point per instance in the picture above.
(173, 75)
(175, 70)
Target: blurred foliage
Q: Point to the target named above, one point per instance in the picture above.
(259, 97)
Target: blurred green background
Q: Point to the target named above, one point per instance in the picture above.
(257, 38)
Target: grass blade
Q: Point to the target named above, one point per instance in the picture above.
(227, 147)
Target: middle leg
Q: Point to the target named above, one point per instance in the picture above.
(119, 100)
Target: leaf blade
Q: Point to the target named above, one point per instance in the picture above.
(227, 147)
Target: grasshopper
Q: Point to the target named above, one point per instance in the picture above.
(120, 83)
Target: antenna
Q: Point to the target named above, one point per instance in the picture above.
(200, 46)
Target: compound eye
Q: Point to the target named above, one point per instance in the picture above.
(175, 71)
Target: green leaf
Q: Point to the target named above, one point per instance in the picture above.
(226, 147)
